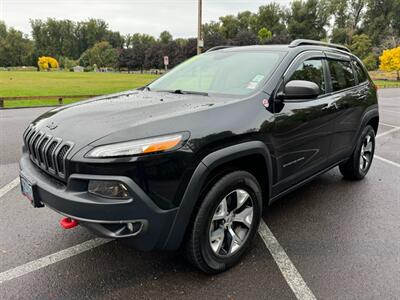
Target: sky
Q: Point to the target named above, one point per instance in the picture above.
(127, 16)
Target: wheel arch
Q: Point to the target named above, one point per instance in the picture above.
(370, 117)
(209, 168)
(374, 122)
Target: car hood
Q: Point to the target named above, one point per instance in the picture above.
(124, 116)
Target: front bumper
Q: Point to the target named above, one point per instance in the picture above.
(139, 221)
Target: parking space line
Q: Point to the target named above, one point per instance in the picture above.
(8, 187)
(51, 259)
(288, 270)
(388, 125)
(388, 132)
(387, 161)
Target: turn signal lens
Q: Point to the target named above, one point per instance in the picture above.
(162, 146)
(145, 146)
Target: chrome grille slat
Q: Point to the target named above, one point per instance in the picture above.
(26, 133)
(41, 148)
(36, 145)
(32, 144)
(47, 152)
(29, 137)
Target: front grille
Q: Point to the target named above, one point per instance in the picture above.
(47, 152)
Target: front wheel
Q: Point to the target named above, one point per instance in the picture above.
(360, 161)
(226, 223)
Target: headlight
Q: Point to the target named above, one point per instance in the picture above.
(145, 146)
(108, 189)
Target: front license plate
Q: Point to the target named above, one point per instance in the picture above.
(26, 189)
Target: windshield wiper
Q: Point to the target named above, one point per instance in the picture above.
(182, 92)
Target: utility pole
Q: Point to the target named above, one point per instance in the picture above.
(200, 41)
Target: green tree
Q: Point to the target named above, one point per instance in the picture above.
(67, 63)
(244, 38)
(154, 57)
(271, 16)
(264, 35)
(15, 48)
(361, 45)
(382, 21)
(229, 26)
(90, 32)
(115, 39)
(370, 62)
(247, 21)
(213, 35)
(55, 37)
(101, 54)
(3, 30)
(132, 58)
(61, 38)
(347, 17)
(189, 49)
(139, 39)
(165, 37)
(308, 19)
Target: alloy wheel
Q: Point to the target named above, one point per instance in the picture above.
(366, 153)
(231, 223)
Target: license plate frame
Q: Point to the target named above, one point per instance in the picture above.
(28, 190)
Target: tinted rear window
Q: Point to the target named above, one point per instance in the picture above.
(342, 76)
(361, 76)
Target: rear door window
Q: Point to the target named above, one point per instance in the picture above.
(361, 76)
(311, 70)
(342, 76)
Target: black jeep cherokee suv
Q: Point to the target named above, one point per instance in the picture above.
(190, 160)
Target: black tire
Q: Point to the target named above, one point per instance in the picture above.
(198, 244)
(352, 169)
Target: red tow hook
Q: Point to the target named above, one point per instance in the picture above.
(68, 223)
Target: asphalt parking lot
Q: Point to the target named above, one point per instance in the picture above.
(335, 239)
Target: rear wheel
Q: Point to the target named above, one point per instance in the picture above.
(360, 162)
(226, 222)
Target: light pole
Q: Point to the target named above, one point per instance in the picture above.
(200, 42)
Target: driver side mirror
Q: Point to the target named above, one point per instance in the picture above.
(300, 89)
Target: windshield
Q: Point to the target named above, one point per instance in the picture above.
(221, 72)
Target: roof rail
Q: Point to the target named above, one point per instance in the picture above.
(302, 42)
(218, 48)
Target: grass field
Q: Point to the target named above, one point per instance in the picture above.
(13, 84)
(387, 83)
(385, 79)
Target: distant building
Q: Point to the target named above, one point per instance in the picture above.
(78, 69)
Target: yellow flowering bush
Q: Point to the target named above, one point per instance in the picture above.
(46, 62)
(390, 61)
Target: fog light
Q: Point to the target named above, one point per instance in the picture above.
(108, 189)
